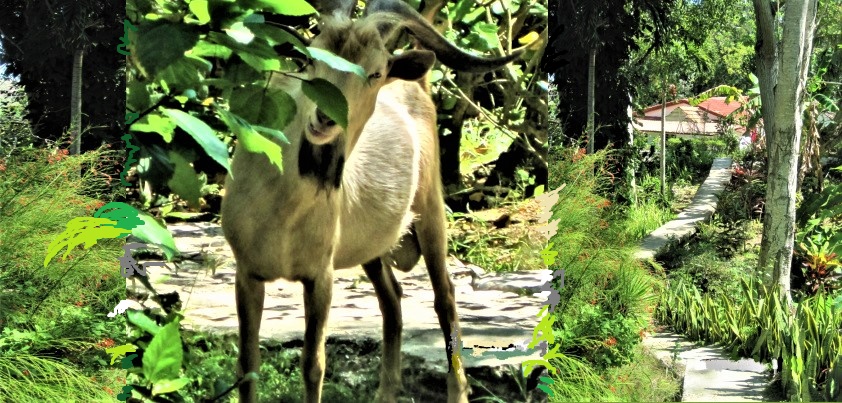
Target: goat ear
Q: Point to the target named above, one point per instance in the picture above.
(411, 65)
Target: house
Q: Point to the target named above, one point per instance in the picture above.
(685, 120)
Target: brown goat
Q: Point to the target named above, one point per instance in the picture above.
(369, 194)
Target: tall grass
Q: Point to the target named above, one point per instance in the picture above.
(641, 219)
(608, 296)
(57, 311)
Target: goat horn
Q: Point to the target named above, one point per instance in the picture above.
(448, 53)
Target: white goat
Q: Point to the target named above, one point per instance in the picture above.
(369, 194)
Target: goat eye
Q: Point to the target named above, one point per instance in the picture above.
(374, 75)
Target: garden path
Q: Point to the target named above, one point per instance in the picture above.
(709, 375)
(701, 208)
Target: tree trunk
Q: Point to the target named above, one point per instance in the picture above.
(631, 144)
(591, 95)
(76, 104)
(782, 116)
(664, 141)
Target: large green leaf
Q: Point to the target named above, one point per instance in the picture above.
(328, 98)
(169, 385)
(185, 182)
(161, 43)
(145, 323)
(261, 63)
(336, 62)
(162, 359)
(155, 123)
(203, 135)
(277, 36)
(153, 232)
(207, 49)
(272, 108)
(251, 140)
(284, 7)
(200, 10)
(257, 46)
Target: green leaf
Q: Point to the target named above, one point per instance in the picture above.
(162, 359)
(336, 62)
(137, 96)
(200, 10)
(240, 33)
(203, 135)
(153, 232)
(260, 63)
(185, 182)
(169, 385)
(155, 123)
(257, 46)
(278, 36)
(328, 98)
(251, 140)
(207, 49)
(484, 36)
(284, 7)
(161, 43)
(145, 323)
(271, 108)
(272, 132)
(183, 74)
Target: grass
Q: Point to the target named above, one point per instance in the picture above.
(642, 219)
(53, 319)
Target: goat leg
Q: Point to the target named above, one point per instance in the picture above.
(389, 296)
(318, 293)
(433, 241)
(249, 293)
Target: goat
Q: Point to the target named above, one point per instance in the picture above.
(369, 194)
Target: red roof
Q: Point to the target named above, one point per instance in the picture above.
(717, 105)
(713, 105)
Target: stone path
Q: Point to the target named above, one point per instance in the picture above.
(709, 375)
(701, 208)
(495, 310)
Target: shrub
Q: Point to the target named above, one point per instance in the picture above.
(40, 192)
(604, 302)
(15, 130)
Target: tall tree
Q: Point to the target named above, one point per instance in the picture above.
(782, 67)
(40, 39)
(620, 25)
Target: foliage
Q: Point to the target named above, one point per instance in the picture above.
(54, 314)
(760, 327)
(192, 106)
(26, 377)
(822, 269)
(38, 42)
(15, 129)
(200, 85)
(744, 197)
(161, 355)
(712, 43)
(604, 303)
(503, 116)
(612, 28)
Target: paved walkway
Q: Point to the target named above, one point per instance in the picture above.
(709, 375)
(495, 310)
(700, 209)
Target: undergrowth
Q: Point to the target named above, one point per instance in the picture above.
(53, 318)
